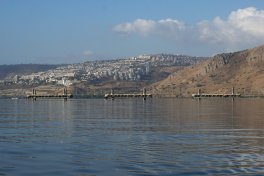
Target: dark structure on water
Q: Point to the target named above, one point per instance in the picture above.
(201, 95)
(144, 95)
(64, 96)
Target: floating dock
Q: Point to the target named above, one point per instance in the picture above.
(127, 96)
(48, 96)
(215, 95)
(64, 96)
(112, 95)
(201, 95)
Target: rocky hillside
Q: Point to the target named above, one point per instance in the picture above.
(129, 75)
(242, 70)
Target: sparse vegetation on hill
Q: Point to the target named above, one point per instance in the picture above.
(242, 70)
(124, 75)
(163, 75)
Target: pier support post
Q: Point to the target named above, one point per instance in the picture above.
(112, 94)
(34, 94)
(65, 94)
(144, 93)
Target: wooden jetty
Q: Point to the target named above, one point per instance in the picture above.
(64, 96)
(112, 95)
(202, 95)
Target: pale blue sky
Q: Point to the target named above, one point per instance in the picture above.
(72, 31)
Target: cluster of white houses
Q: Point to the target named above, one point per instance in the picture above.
(131, 69)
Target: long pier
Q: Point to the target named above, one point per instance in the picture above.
(215, 95)
(64, 96)
(201, 95)
(48, 96)
(112, 95)
(127, 95)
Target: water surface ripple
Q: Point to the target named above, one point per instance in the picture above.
(132, 137)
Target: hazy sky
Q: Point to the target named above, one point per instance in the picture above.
(72, 31)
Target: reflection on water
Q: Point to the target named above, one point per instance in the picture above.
(132, 137)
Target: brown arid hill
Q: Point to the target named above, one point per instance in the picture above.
(242, 70)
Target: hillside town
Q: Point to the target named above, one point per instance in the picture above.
(130, 69)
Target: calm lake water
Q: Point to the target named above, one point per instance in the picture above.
(132, 137)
